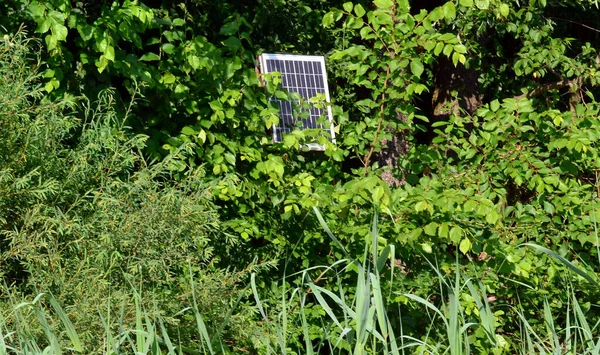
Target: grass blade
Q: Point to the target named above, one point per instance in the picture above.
(564, 261)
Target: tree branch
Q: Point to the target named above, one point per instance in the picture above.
(546, 87)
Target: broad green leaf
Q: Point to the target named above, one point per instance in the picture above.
(51, 41)
(466, 3)
(56, 16)
(216, 105)
(180, 88)
(384, 4)
(359, 10)
(420, 206)
(449, 10)
(494, 105)
(431, 229)
(37, 9)
(328, 19)
(168, 48)
(456, 234)
(289, 141)
(110, 53)
(416, 67)
(148, 57)
(168, 78)
(348, 6)
(194, 61)
(188, 131)
(43, 26)
(443, 230)
(427, 248)
(455, 57)
(438, 48)
(85, 31)
(482, 4)
(492, 216)
(465, 245)
(229, 29)
(202, 136)
(377, 194)
(230, 158)
(338, 155)
(178, 22)
(102, 63)
(60, 31)
(504, 10)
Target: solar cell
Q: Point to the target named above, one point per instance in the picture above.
(306, 76)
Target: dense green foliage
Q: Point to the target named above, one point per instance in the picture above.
(86, 219)
(134, 149)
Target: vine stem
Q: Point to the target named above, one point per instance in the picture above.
(367, 159)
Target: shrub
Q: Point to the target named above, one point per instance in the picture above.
(86, 218)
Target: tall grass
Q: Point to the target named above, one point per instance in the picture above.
(354, 324)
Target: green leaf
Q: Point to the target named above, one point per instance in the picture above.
(37, 9)
(426, 248)
(455, 57)
(229, 29)
(431, 229)
(504, 10)
(443, 230)
(456, 234)
(348, 6)
(230, 158)
(188, 131)
(359, 10)
(60, 31)
(438, 48)
(416, 67)
(494, 105)
(338, 155)
(110, 53)
(85, 31)
(482, 4)
(102, 63)
(180, 88)
(194, 61)
(449, 10)
(466, 3)
(168, 78)
(328, 19)
(149, 57)
(384, 4)
(168, 48)
(51, 41)
(202, 136)
(216, 105)
(289, 141)
(465, 246)
(420, 206)
(377, 194)
(492, 217)
(43, 26)
(178, 22)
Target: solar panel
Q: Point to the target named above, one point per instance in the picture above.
(305, 75)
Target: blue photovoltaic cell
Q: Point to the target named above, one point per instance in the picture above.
(304, 75)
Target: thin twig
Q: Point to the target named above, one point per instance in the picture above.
(576, 23)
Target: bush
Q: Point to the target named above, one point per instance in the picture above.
(86, 218)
